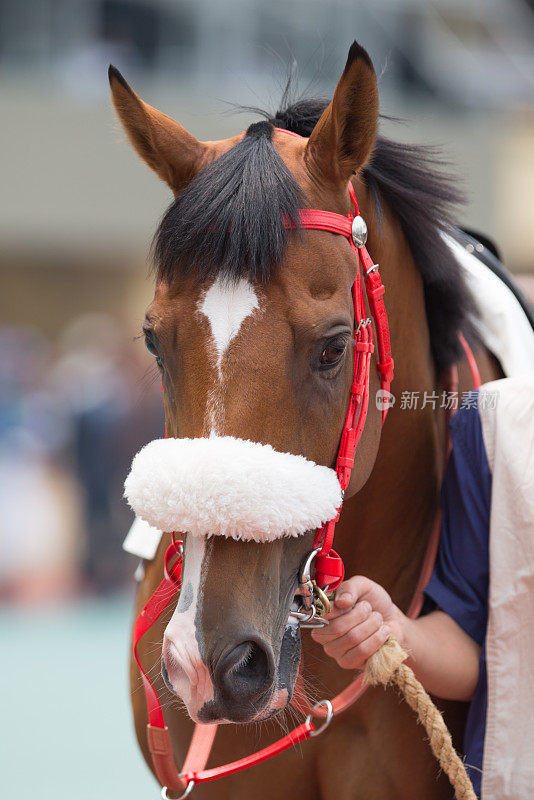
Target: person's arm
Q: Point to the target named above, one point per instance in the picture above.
(444, 658)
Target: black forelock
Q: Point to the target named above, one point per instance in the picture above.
(229, 220)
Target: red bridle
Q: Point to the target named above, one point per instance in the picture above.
(329, 570)
(328, 564)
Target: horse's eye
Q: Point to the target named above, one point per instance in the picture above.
(151, 347)
(333, 352)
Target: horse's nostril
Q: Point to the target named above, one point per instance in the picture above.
(165, 675)
(246, 672)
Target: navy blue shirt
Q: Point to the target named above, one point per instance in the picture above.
(459, 583)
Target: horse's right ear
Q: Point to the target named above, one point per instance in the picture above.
(160, 141)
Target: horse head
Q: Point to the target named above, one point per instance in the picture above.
(252, 329)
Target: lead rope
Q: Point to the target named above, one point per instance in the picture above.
(386, 667)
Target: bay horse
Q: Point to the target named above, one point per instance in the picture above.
(251, 328)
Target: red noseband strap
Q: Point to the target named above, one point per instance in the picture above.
(328, 564)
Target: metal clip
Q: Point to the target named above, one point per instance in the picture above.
(305, 587)
(361, 323)
(308, 619)
(322, 602)
(189, 788)
(315, 603)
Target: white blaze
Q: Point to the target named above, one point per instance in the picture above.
(187, 672)
(227, 305)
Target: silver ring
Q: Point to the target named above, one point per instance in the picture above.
(304, 616)
(188, 790)
(306, 569)
(328, 719)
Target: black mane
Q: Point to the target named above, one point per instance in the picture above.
(227, 220)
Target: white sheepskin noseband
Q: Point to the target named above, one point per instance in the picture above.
(221, 486)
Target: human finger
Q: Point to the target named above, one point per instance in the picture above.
(355, 636)
(356, 657)
(340, 625)
(348, 594)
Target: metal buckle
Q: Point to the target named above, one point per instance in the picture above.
(361, 323)
(315, 603)
(328, 719)
(189, 788)
(322, 601)
(176, 554)
(304, 618)
(371, 269)
(305, 587)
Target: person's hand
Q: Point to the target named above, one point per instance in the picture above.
(362, 617)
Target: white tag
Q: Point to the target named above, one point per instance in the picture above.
(142, 539)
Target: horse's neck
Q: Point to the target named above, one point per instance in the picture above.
(385, 527)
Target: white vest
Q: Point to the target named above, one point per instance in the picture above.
(508, 430)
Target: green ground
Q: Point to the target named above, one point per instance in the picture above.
(65, 715)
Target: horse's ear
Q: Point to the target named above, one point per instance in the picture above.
(160, 141)
(345, 134)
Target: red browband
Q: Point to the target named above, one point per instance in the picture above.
(328, 565)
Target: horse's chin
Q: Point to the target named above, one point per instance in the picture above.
(277, 702)
(280, 700)
(212, 712)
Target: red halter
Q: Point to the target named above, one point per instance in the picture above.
(328, 564)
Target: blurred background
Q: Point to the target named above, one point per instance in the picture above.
(78, 394)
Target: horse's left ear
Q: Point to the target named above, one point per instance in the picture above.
(343, 139)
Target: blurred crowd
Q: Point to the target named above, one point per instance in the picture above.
(72, 414)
